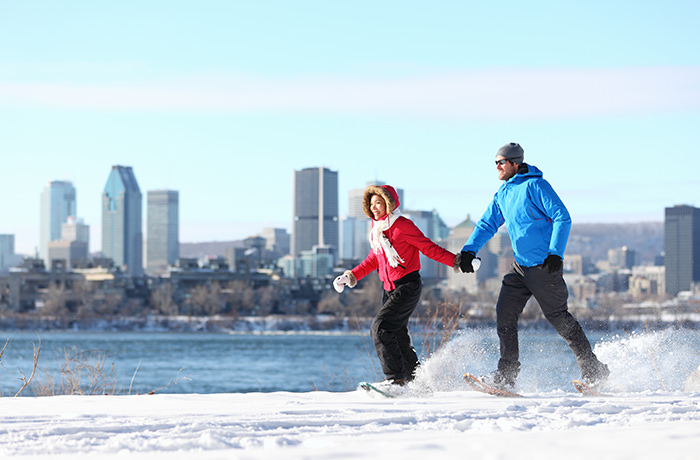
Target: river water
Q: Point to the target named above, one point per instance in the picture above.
(206, 362)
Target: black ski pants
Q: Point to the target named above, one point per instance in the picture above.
(389, 329)
(549, 289)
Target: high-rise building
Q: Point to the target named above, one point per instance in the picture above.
(7, 251)
(355, 203)
(354, 239)
(682, 247)
(122, 234)
(162, 231)
(315, 210)
(57, 204)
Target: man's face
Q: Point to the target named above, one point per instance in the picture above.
(506, 169)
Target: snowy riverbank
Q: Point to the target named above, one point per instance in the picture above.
(322, 425)
(293, 323)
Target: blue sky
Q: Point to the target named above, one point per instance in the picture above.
(223, 100)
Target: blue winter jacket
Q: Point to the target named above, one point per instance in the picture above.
(537, 221)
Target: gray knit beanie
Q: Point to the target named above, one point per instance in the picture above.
(512, 152)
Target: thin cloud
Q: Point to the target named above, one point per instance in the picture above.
(479, 94)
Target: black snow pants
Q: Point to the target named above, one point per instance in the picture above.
(549, 289)
(390, 328)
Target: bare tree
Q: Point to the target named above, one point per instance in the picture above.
(331, 303)
(205, 299)
(367, 298)
(25, 381)
(241, 298)
(268, 299)
(84, 293)
(111, 303)
(162, 299)
(55, 300)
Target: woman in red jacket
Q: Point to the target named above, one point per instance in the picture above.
(395, 244)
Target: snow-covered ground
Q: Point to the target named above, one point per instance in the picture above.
(323, 425)
(651, 411)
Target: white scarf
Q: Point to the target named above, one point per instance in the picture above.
(380, 243)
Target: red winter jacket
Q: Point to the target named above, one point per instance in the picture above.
(407, 239)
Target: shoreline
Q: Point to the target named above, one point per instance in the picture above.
(301, 324)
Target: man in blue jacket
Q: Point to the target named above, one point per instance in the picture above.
(538, 224)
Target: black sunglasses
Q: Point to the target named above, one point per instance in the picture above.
(501, 162)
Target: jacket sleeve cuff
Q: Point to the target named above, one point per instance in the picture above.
(351, 276)
(455, 264)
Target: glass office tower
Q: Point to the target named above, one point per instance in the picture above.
(122, 234)
(57, 204)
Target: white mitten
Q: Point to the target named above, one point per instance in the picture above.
(340, 282)
(476, 263)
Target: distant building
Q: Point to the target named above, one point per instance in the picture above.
(73, 249)
(255, 251)
(355, 203)
(8, 258)
(573, 263)
(317, 262)
(122, 234)
(682, 248)
(433, 227)
(162, 231)
(455, 242)
(583, 289)
(58, 202)
(239, 260)
(315, 209)
(75, 229)
(621, 258)
(289, 266)
(647, 280)
(354, 240)
(276, 241)
(68, 253)
(354, 228)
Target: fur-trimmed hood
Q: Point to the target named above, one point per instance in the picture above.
(387, 192)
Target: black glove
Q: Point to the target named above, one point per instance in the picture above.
(552, 263)
(466, 263)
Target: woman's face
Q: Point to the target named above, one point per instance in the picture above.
(377, 206)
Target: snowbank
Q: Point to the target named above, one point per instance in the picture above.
(457, 424)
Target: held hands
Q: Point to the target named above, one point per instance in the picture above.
(552, 263)
(469, 262)
(340, 282)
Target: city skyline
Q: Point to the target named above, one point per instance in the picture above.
(222, 100)
(344, 197)
(315, 224)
